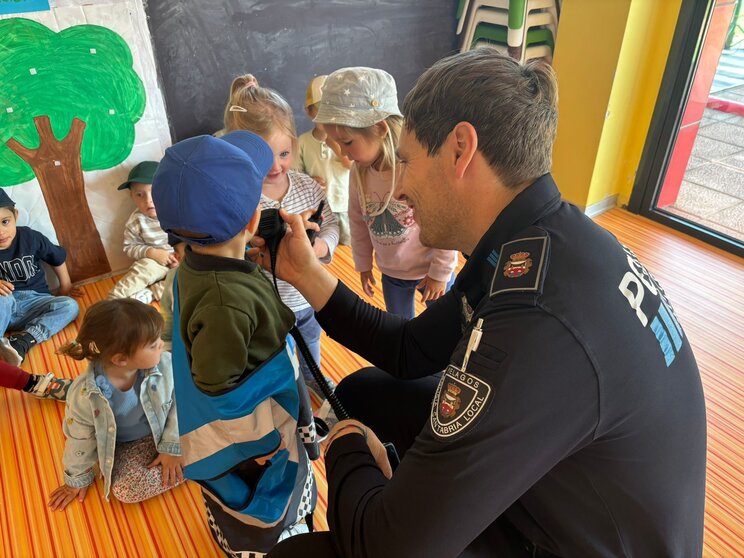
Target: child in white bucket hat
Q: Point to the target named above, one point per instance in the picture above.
(359, 111)
(319, 157)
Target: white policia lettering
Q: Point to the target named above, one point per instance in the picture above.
(639, 277)
(664, 325)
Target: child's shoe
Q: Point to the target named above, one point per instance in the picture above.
(48, 386)
(22, 343)
(8, 353)
(145, 295)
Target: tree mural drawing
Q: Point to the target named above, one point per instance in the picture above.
(68, 103)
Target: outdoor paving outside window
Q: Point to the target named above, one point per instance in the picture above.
(712, 190)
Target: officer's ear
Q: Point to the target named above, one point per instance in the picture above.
(464, 144)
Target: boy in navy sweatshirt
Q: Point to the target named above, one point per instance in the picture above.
(26, 305)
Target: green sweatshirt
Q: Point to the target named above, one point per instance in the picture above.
(232, 320)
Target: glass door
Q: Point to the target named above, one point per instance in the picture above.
(691, 175)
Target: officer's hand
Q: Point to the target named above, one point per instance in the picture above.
(295, 258)
(431, 289)
(346, 427)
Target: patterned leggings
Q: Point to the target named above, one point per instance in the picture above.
(131, 480)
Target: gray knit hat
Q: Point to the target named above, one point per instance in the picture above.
(357, 97)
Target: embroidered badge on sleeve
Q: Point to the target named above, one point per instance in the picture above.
(460, 399)
(521, 266)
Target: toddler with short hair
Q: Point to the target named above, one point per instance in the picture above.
(26, 305)
(144, 241)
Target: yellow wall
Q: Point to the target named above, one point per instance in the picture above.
(590, 35)
(610, 57)
(638, 77)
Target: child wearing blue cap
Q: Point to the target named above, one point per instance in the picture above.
(232, 357)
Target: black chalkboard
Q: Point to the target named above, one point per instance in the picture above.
(201, 45)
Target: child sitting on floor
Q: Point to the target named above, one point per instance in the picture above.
(244, 414)
(121, 413)
(321, 157)
(144, 241)
(26, 305)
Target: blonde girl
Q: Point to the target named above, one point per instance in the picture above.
(264, 112)
(359, 110)
(120, 415)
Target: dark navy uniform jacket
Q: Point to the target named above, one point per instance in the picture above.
(580, 415)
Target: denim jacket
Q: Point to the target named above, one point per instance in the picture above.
(90, 426)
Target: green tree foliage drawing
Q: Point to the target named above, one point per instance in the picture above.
(68, 103)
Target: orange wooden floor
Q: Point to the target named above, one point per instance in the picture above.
(704, 285)
(31, 444)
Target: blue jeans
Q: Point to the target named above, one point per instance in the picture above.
(399, 295)
(310, 330)
(40, 314)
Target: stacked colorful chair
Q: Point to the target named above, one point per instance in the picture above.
(525, 29)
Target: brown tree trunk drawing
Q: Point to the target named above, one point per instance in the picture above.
(58, 167)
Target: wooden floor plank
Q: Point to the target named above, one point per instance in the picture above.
(703, 283)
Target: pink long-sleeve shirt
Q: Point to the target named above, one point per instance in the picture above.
(392, 236)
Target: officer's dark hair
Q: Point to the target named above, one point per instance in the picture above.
(513, 108)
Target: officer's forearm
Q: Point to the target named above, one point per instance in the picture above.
(403, 348)
(317, 288)
(353, 479)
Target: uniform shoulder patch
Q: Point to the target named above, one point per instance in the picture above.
(521, 265)
(460, 399)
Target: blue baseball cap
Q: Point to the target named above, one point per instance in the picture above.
(211, 186)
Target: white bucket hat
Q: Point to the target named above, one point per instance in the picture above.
(358, 97)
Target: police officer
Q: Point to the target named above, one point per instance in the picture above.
(569, 419)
